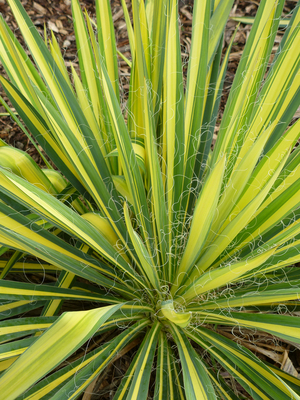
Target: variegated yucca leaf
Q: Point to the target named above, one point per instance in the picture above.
(143, 235)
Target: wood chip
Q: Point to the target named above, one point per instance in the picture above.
(186, 13)
(90, 390)
(59, 24)
(297, 114)
(69, 63)
(39, 8)
(66, 43)
(52, 26)
(38, 22)
(117, 15)
(287, 366)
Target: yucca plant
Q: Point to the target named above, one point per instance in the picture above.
(138, 228)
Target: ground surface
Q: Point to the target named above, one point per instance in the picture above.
(57, 17)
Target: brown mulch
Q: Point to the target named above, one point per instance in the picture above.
(57, 16)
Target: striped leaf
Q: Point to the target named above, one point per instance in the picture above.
(222, 276)
(55, 345)
(11, 290)
(168, 384)
(177, 221)
(197, 384)
(256, 377)
(87, 374)
(141, 378)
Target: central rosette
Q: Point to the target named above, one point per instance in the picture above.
(167, 312)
